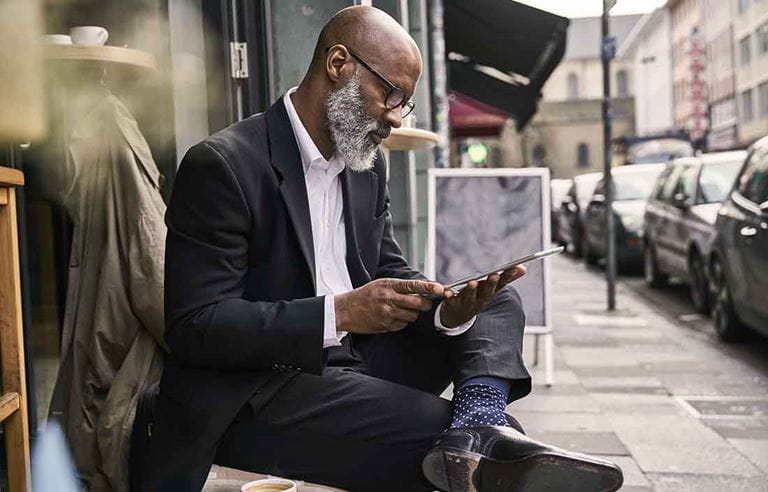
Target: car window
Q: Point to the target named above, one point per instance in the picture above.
(668, 189)
(753, 184)
(687, 182)
(716, 181)
(636, 185)
(657, 188)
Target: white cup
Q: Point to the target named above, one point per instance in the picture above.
(270, 485)
(89, 35)
(56, 39)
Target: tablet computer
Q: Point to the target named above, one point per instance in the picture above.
(459, 285)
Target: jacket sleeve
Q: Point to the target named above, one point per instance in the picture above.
(208, 322)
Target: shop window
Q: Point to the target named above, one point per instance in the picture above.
(582, 155)
(762, 95)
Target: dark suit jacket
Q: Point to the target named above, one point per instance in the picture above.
(241, 310)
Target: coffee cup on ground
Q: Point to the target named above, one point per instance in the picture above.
(89, 35)
(270, 485)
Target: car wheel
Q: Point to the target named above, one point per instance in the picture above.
(589, 257)
(727, 325)
(653, 277)
(699, 287)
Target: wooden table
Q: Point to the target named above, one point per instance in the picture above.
(13, 401)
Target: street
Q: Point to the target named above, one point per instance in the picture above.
(650, 387)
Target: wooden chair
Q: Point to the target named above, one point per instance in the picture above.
(13, 401)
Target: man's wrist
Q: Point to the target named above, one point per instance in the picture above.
(342, 314)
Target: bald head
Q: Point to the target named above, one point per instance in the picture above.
(363, 73)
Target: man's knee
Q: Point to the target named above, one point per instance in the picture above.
(508, 304)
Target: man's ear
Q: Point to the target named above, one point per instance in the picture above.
(335, 61)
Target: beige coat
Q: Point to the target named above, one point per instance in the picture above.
(114, 311)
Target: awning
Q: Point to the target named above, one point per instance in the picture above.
(523, 44)
(470, 118)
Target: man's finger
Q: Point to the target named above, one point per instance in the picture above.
(417, 287)
(487, 288)
(404, 315)
(510, 275)
(414, 303)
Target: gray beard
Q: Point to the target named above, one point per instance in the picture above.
(350, 126)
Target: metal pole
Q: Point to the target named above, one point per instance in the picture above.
(607, 52)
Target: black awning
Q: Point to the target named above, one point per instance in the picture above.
(510, 37)
(518, 101)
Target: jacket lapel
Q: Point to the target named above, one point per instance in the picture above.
(286, 159)
(357, 190)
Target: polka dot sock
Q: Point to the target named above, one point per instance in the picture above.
(479, 404)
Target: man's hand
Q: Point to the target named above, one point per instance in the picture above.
(384, 305)
(458, 309)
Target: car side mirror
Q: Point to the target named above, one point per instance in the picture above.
(681, 201)
(764, 208)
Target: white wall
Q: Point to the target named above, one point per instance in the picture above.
(653, 77)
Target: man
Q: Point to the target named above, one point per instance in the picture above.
(302, 344)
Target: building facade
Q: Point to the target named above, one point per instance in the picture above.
(566, 134)
(750, 39)
(689, 83)
(648, 45)
(721, 76)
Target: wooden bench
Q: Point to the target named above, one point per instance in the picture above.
(13, 401)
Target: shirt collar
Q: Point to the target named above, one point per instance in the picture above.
(310, 154)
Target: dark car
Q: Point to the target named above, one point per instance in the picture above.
(680, 217)
(558, 190)
(632, 186)
(573, 210)
(738, 263)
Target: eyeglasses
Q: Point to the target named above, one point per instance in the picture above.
(395, 97)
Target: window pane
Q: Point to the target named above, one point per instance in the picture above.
(716, 181)
(745, 49)
(754, 182)
(582, 152)
(762, 91)
(762, 39)
(746, 106)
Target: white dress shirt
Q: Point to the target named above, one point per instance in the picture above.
(326, 209)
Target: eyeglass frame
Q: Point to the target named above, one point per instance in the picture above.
(405, 103)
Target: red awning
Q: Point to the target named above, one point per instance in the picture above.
(470, 118)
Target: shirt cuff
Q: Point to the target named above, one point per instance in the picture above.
(330, 336)
(452, 332)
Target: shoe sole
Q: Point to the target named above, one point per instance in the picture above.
(463, 471)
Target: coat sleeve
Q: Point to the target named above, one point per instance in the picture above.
(208, 322)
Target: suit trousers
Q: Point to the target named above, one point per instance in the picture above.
(366, 423)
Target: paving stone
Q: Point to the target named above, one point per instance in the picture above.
(738, 428)
(632, 390)
(634, 479)
(605, 443)
(756, 451)
(684, 482)
(672, 444)
(640, 404)
(611, 371)
(546, 403)
(729, 407)
(539, 422)
(590, 357)
(611, 321)
(558, 389)
(609, 382)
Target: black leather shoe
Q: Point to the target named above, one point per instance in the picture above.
(501, 459)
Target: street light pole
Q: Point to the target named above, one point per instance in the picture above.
(608, 45)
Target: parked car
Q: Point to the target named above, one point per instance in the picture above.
(680, 217)
(632, 187)
(558, 190)
(738, 263)
(573, 211)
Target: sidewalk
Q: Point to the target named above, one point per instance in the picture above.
(635, 387)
